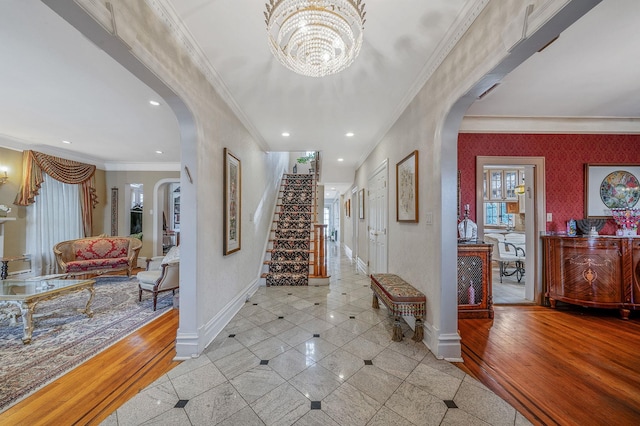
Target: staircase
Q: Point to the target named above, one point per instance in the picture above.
(290, 246)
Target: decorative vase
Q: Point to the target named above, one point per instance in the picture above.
(295, 168)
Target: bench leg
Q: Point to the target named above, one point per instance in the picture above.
(397, 330)
(418, 335)
(374, 302)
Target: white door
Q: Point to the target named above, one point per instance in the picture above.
(378, 215)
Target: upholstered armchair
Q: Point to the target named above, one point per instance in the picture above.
(162, 274)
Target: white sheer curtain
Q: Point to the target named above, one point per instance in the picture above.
(55, 216)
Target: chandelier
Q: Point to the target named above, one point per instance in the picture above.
(315, 37)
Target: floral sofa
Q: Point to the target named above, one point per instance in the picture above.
(97, 255)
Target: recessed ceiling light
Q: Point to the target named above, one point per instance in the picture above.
(154, 103)
(286, 134)
(67, 142)
(340, 159)
(349, 134)
(158, 152)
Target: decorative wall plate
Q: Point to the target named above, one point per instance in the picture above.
(620, 189)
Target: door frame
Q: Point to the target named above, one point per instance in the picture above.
(537, 191)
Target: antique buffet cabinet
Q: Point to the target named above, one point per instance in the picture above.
(599, 272)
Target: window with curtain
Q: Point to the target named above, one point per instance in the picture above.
(55, 216)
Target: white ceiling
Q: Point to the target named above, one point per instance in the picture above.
(56, 85)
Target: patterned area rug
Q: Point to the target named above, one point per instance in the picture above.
(63, 337)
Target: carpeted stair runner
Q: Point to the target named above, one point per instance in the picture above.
(289, 264)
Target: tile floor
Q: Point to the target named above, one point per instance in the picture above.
(315, 356)
(510, 291)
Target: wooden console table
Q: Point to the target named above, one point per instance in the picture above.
(475, 298)
(598, 272)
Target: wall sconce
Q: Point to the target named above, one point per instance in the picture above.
(5, 178)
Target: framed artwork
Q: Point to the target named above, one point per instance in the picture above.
(407, 188)
(232, 202)
(348, 210)
(361, 203)
(610, 186)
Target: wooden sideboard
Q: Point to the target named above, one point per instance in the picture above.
(474, 280)
(599, 272)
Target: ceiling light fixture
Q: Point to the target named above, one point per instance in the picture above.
(286, 134)
(67, 142)
(154, 103)
(158, 152)
(349, 134)
(340, 159)
(315, 38)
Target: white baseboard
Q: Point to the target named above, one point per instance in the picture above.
(188, 345)
(362, 266)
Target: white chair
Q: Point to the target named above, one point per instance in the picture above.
(162, 274)
(507, 255)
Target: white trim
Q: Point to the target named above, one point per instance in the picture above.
(362, 266)
(538, 186)
(552, 125)
(188, 344)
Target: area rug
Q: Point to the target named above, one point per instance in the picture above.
(63, 337)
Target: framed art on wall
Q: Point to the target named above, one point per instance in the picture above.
(232, 202)
(610, 186)
(361, 203)
(407, 188)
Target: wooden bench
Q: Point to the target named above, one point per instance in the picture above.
(400, 298)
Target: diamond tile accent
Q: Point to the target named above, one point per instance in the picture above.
(316, 405)
(232, 335)
(264, 362)
(368, 362)
(450, 404)
(181, 403)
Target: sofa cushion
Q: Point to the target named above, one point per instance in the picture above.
(93, 264)
(102, 248)
(148, 278)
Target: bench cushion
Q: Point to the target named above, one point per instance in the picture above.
(397, 289)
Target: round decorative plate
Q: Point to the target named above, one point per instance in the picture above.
(620, 189)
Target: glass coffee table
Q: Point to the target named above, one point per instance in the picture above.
(27, 294)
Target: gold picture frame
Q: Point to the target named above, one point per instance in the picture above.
(361, 203)
(407, 188)
(232, 202)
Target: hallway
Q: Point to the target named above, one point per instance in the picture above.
(315, 356)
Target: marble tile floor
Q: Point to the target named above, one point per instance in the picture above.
(315, 356)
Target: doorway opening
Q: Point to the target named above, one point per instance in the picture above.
(510, 204)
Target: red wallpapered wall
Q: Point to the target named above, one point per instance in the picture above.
(565, 156)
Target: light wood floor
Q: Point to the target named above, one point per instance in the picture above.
(565, 366)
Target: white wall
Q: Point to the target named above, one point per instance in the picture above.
(212, 286)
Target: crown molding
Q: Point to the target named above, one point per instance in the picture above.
(593, 125)
(165, 11)
(12, 143)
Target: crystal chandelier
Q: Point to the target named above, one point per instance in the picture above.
(315, 37)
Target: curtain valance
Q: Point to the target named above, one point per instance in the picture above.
(67, 171)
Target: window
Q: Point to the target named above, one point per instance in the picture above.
(496, 214)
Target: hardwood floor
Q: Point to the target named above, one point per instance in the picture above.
(92, 391)
(569, 366)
